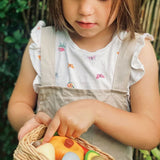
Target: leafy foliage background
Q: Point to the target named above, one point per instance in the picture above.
(17, 17)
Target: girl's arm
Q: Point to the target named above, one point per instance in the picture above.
(23, 99)
(139, 128)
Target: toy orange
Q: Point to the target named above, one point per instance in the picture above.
(63, 145)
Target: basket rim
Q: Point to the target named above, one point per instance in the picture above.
(25, 147)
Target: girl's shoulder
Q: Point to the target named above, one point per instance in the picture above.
(35, 49)
(34, 52)
(36, 32)
(140, 37)
(137, 67)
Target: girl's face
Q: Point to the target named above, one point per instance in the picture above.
(89, 17)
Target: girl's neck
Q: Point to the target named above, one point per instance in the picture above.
(95, 43)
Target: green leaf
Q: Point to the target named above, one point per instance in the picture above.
(24, 41)
(156, 153)
(3, 4)
(145, 152)
(9, 39)
(22, 5)
(17, 46)
(5, 71)
(2, 15)
(148, 158)
(17, 35)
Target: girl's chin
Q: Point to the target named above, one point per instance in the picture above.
(85, 34)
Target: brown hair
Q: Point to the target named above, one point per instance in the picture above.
(128, 17)
(56, 17)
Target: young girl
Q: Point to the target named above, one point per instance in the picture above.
(94, 75)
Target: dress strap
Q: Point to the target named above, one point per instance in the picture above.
(123, 65)
(48, 56)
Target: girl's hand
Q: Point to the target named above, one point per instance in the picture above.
(72, 119)
(39, 118)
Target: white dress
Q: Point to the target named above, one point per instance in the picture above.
(78, 68)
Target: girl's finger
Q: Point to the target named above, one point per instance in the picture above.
(76, 134)
(52, 128)
(28, 126)
(62, 130)
(70, 132)
(43, 118)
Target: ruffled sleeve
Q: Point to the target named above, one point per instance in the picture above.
(137, 68)
(35, 54)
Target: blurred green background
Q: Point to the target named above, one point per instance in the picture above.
(17, 18)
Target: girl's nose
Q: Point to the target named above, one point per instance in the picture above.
(86, 7)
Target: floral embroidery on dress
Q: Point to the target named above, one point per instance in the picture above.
(64, 45)
(61, 47)
(70, 85)
(92, 58)
(99, 76)
(70, 66)
(39, 57)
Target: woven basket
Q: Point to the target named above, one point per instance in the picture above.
(26, 151)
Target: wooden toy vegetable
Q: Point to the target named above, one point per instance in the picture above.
(27, 148)
(85, 149)
(48, 150)
(90, 154)
(70, 156)
(63, 145)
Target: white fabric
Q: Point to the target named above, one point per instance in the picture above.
(78, 68)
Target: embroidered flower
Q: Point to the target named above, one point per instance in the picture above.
(70, 85)
(99, 76)
(39, 57)
(92, 58)
(70, 65)
(61, 47)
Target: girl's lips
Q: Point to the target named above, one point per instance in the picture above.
(86, 25)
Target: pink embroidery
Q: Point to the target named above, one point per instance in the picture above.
(38, 28)
(61, 47)
(92, 57)
(99, 76)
